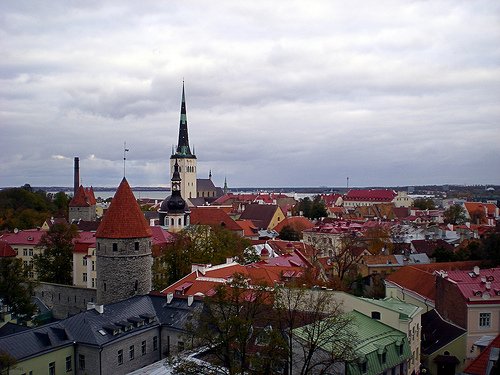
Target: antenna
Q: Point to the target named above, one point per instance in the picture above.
(125, 150)
(347, 183)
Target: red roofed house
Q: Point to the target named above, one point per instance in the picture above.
(367, 197)
(84, 260)
(416, 284)
(26, 244)
(471, 300)
(83, 205)
(482, 213)
(297, 223)
(123, 253)
(214, 217)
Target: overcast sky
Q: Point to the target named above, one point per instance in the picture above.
(279, 93)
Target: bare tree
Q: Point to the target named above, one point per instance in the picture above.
(312, 320)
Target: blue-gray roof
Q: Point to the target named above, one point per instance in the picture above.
(128, 317)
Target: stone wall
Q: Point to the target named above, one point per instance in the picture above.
(65, 300)
(123, 271)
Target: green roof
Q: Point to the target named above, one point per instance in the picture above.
(406, 311)
(378, 345)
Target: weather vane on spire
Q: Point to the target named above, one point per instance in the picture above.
(125, 150)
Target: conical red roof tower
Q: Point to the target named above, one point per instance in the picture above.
(124, 218)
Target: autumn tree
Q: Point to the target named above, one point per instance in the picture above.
(54, 264)
(378, 239)
(16, 288)
(345, 257)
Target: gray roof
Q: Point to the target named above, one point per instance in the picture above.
(205, 184)
(128, 317)
(29, 343)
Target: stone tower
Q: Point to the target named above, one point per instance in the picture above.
(174, 211)
(184, 157)
(123, 256)
(83, 205)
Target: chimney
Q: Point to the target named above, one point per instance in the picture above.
(488, 285)
(76, 180)
(476, 270)
(99, 308)
(190, 300)
(90, 305)
(170, 297)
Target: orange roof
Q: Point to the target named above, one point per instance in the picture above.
(488, 208)
(298, 223)
(124, 218)
(249, 229)
(204, 282)
(212, 216)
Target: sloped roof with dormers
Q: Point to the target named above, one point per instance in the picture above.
(124, 218)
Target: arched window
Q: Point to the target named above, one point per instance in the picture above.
(172, 221)
(179, 221)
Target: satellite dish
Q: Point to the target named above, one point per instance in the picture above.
(16, 230)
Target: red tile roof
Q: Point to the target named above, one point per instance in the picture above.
(124, 218)
(249, 229)
(479, 365)
(24, 237)
(298, 223)
(422, 280)
(376, 195)
(213, 216)
(84, 197)
(6, 250)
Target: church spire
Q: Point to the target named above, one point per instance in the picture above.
(183, 143)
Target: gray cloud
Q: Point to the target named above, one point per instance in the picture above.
(294, 93)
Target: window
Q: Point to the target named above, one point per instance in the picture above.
(85, 276)
(131, 352)
(84, 261)
(93, 282)
(143, 347)
(484, 320)
(81, 361)
(52, 368)
(68, 364)
(120, 356)
(376, 315)
(136, 246)
(155, 343)
(115, 246)
(30, 252)
(401, 349)
(25, 252)
(93, 265)
(383, 358)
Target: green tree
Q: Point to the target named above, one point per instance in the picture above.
(61, 201)
(24, 209)
(312, 209)
(454, 215)
(197, 244)
(287, 233)
(54, 264)
(442, 254)
(16, 288)
(424, 204)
